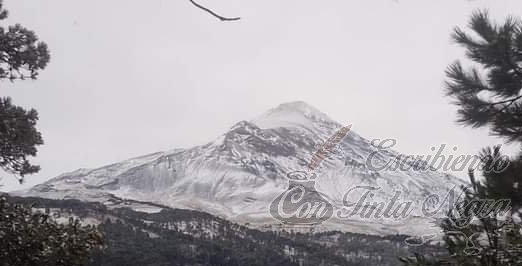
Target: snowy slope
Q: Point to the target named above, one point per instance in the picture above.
(242, 171)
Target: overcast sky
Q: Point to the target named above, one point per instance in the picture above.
(129, 78)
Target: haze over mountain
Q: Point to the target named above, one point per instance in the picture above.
(237, 175)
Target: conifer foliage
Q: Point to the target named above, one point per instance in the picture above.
(484, 227)
(33, 238)
(29, 237)
(489, 94)
(22, 56)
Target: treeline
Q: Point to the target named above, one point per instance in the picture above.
(185, 237)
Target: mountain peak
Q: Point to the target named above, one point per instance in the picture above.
(296, 113)
(242, 172)
(296, 105)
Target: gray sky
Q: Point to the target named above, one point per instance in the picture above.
(132, 77)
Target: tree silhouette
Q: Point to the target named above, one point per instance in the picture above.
(484, 228)
(22, 56)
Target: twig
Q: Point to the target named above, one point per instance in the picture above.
(213, 13)
(510, 101)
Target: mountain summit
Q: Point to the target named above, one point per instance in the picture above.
(239, 174)
(292, 114)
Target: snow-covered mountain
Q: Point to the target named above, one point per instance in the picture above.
(238, 175)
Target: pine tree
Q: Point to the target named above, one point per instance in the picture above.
(484, 227)
(27, 237)
(489, 95)
(18, 138)
(22, 56)
(32, 238)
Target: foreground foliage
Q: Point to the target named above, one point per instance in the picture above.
(30, 237)
(22, 56)
(485, 227)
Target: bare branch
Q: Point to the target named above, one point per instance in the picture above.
(213, 13)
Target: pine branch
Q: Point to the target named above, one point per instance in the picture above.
(214, 13)
(509, 101)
